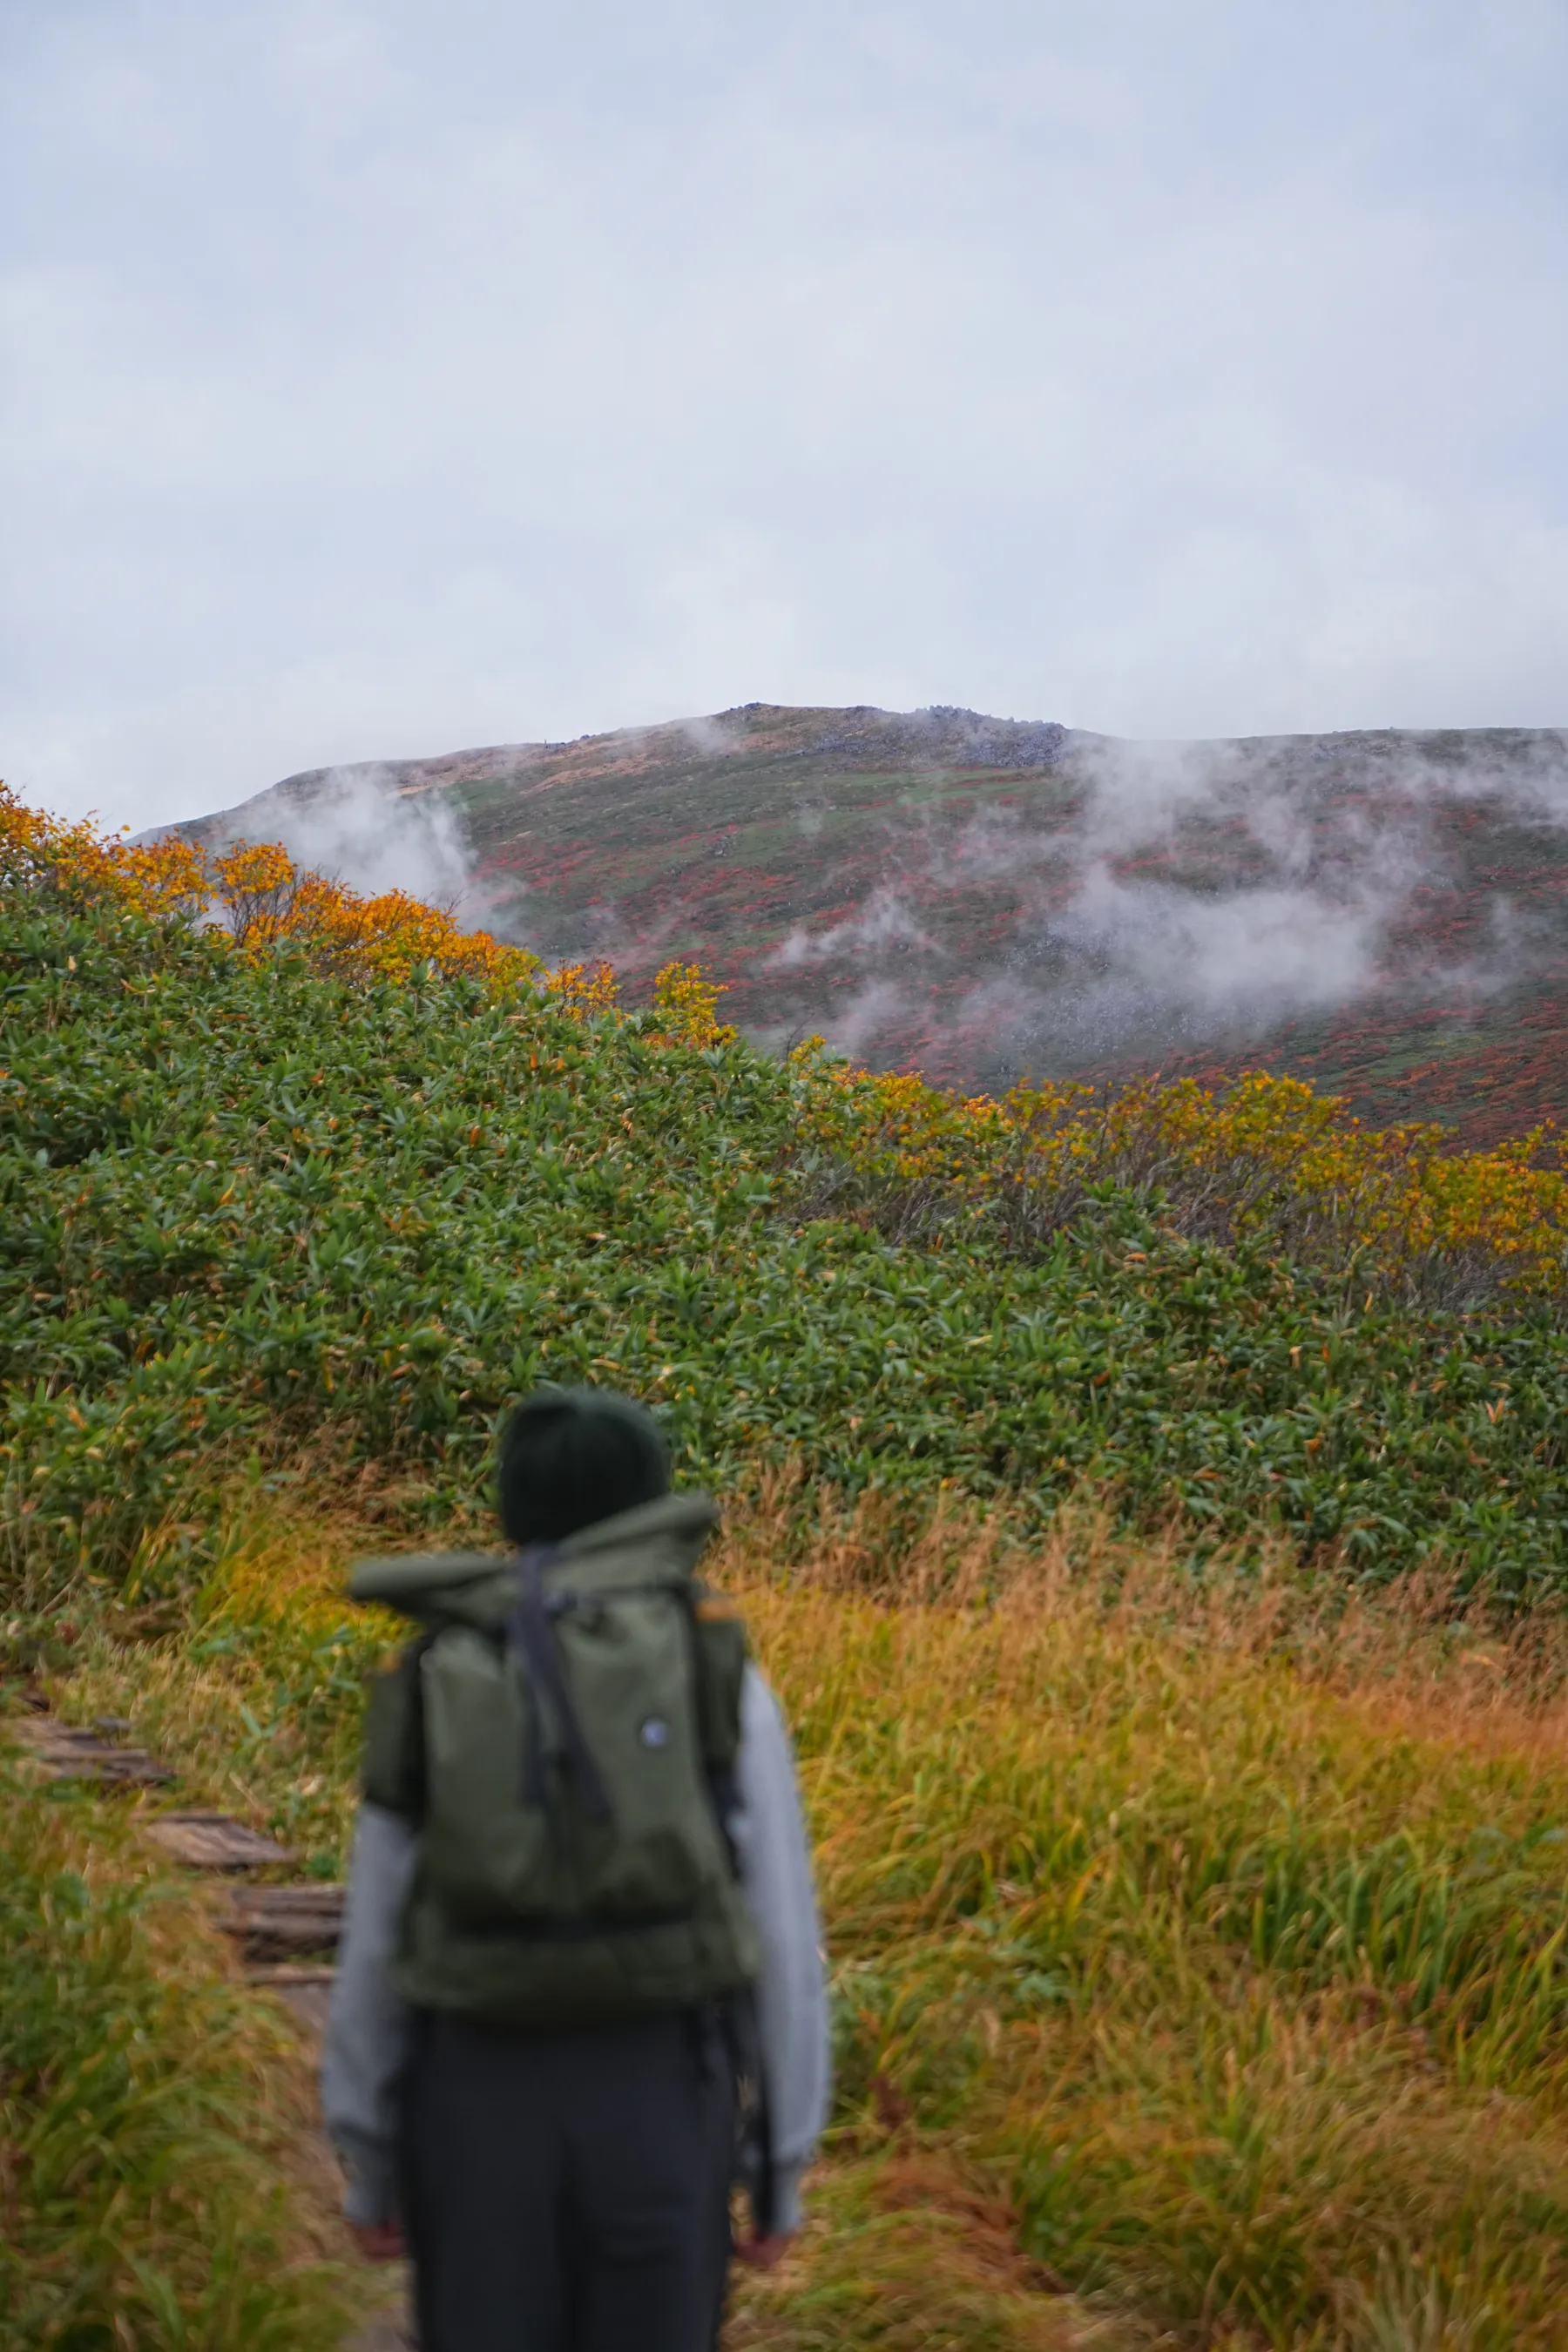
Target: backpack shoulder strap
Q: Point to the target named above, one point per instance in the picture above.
(719, 1652)
(392, 1773)
(719, 1655)
(532, 1638)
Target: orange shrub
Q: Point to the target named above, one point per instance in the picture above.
(257, 896)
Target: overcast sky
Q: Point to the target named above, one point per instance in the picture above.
(384, 376)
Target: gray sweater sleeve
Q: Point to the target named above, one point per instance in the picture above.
(366, 2041)
(792, 2002)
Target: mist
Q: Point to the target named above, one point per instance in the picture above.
(1019, 899)
(362, 828)
(1170, 898)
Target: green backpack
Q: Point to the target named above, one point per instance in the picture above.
(565, 1733)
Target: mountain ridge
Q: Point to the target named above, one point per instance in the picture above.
(1384, 912)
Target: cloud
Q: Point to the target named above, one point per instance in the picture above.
(1165, 897)
(387, 378)
(859, 1025)
(360, 826)
(1201, 964)
(884, 921)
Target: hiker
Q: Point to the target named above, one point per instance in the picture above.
(580, 1989)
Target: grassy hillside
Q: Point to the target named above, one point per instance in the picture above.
(266, 1203)
(987, 900)
(1196, 1936)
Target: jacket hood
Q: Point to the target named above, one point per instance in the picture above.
(664, 1538)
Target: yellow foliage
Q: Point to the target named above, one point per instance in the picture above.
(1394, 1194)
(257, 896)
(687, 1002)
(583, 988)
(161, 878)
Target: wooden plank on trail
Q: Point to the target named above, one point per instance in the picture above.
(382, 2335)
(308, 1991)
(213, 1841)
(69, 1751)
(271, 1922)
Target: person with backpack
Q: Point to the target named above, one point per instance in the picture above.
(580, 1989)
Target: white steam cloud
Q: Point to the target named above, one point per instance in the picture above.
(366, 831)
(1272, 951)
(1160, 896)
(884, 921)
(364, 827)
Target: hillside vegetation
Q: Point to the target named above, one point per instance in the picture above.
(338, 1181)
(1102, 1470)
(988, 900)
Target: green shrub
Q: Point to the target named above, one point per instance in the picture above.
(246, 1208)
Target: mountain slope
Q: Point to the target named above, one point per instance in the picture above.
(988, 899)
(1196, 1938)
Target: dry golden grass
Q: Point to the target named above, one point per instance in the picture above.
(904, 2252)
(160, 2187)
(1196, 1946)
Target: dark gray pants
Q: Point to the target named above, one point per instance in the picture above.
(568, 2192)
